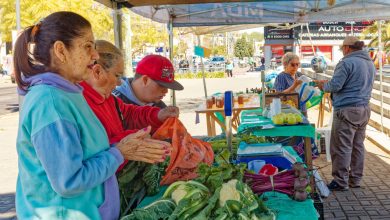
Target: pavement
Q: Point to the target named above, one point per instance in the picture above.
(370, 202)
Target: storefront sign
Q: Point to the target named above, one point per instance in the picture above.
(271, 33)
(332, 30)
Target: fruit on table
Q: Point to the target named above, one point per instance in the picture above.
(278, 119)
(289, 118)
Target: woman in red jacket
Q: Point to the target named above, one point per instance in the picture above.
(120, 119)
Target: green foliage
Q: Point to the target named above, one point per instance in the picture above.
(161, 209)
(371, 33)
(190, 197)
(219, 50)
(34, 10)
(180, 49)
(243, 48)
(146, 33)
(213, 177)
(136, 180)
(199, 75)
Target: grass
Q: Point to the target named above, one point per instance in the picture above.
(199, 75)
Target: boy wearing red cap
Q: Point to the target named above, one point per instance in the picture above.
(154, 76)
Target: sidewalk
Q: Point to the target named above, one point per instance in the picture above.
(8, 164)
(372, 201)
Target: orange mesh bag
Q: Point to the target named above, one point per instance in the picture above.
(186, 154)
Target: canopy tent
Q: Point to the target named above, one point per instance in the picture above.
(187, 13)
(199, 13)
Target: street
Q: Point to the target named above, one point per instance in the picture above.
(8, 99)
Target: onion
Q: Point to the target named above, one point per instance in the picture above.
(300, 195)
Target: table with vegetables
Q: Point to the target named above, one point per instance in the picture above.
(225, 188)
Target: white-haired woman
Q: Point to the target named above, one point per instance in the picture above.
(287, 81)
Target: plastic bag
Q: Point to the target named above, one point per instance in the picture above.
(186, 154)
(308, 93)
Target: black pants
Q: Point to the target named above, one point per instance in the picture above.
(229, 73)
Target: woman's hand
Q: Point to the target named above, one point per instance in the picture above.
(296, 83)
(168, 112)
(140, 147)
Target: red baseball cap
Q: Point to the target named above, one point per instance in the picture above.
(160, 69)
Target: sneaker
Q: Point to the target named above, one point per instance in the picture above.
(334, 186)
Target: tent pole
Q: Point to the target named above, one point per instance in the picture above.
(18, 28)
(203, 76)
(379, 56)
(300, 43)
(311, 42)
(170, 31)
(117, 16)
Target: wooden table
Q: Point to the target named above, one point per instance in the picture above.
(211, 118)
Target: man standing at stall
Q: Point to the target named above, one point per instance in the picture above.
(350, 89)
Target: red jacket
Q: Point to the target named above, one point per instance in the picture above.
(136, 117)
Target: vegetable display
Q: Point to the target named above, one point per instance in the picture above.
(221, 144)
(214, 176)
(187, 152)
(160, 209)
(293, 182)
(137, 180)
(219, 195)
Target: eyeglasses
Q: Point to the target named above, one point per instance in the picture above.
(294, 64)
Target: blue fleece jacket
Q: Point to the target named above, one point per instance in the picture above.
(352, 82)
(66, 166)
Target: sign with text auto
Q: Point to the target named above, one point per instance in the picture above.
(332, 30)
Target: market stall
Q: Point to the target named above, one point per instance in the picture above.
(214, 107)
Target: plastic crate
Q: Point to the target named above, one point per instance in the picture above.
(318, 205)
(278, 161)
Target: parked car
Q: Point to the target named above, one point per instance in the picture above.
(217, 62)
(135, 61)
(184, 64)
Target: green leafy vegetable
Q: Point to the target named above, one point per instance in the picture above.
(136, 180)
(160, 209)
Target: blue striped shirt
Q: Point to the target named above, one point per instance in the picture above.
(284, 81)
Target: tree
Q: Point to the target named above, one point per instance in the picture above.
(372, 31)
(219, 50)
(34, 10)
(180, 49)
(144, 31)
(243, 48)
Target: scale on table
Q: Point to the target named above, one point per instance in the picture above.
(271, 153)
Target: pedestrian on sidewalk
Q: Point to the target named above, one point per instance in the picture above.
(66, 164)
(229, 68)
(350, 89)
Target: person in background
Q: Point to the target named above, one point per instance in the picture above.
(66, 165)
(229, 68)
(350, 89)
(252, 64)
(153, 77)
